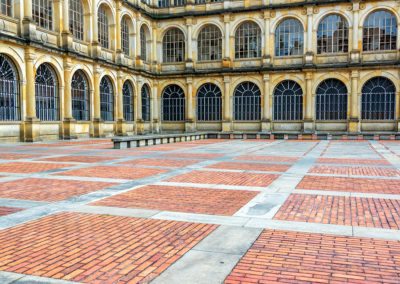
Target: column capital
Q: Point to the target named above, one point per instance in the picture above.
(67, 64)
(227, 18)
(189, 21)
(30, 55)
(355, 74)
(120, 75)
(189, 80)
(268, 15)
(227, 79)
(309, 76)
(266, 77)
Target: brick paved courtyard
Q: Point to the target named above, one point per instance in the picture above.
(210, 211)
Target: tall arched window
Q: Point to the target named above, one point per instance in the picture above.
(42, 13)
(380, 31)
(248, 41)
(127, 95)
(174, 46)
(288, 101)
(331, 100)
(76, 19)
(209, 103)
(46, 94)
(173, 103)
(143, 42)
(6, 7)
(289, 38)
(106, 99)
(146, 106)
(125, 36)
(209, 43)
(333, 35)
(378, 99)
(247, 102)
(103, 31)
(9, 90)
(80, 95)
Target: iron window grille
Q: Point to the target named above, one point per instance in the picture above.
(9, 90)
(127, 97)
(173, 103)
(103, 32)
(146, 106)
(289, 38)
(331, 100)
(247, 102)
(288, 101)
(248, 41)
(380, 31)
(210, 43)
(378, 99)
(209, 103)
(80, 96)
(76, 19)
(333, 35)
(46, 94)
(106, 99)
(125, 36)
(42, 13)
(174, 46)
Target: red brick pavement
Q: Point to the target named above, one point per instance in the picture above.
(169, 163)
(15, 156)
(227, 178)
(27, 167)
(193, 155)
(48, 189)
(340, 210)
(80, 159)
(114, 172)
(352, 161)
(182, 199)
(348, 184)
(293, 257)
(355, 171)
(8, 210)
(267, 158)
(251, 167)
(92, 248)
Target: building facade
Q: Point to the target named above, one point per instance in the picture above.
(80, 68)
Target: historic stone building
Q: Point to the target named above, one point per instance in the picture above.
(73, 68)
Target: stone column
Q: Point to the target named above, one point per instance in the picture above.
(97, 121)
(356, 44)
(138, 43)
(66, 35)
(227, 110)
(190, 123)
(69, 121)
(139, 120)
(309, 55)
(189, 45)
(118, 44)
(354, 123)
(31, 124)
(28, 26)
(227, 62)
(156, 113)
(121, 125)
(267, 39)
(266, 114)
(308, 103)
(154, 59)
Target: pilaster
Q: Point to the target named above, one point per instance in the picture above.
(227, 61)
(266, 115)
(121, 123)
(190, 125)
(354, 123)
(69, 121)
(227, 114)
(97, 121)
(355, 52)
(309, 122)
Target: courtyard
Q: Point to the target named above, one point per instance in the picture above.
(207, 211)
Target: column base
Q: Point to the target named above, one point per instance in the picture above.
(227, 126)
(267, 61)
(140, 127)
(354, 125)
(309, 126)
(226, 62)
(67, 40)
(189, 65)
(31, 129)
(121, 128)
(309, 58)
(69, 129)
(266, 125)
(190, 126)
(156, 126)
(355, 57)
(28, 29)
(98, 128)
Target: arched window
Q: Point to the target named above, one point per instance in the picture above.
(143, 42)
(174, 46)
(125, 36)
(46, 94)
(9, 90)
(173, 103)
(80, 95)
(209, 103)
(288, 101)
(247, 102)
(289, 38)
(106, 99)
(76, 18)
(331, 100)
(248, 41)
(6, 7)
(127, 95)
(102, 23)
(209, 43)
(333, 35)
(378, 99)
(380, 31)
(146, 108)
(42, 13)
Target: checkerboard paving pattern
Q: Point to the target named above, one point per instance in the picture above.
(28, 167)
(293, 257)
(227, 178)
(267, 159)
(181, 199)
(352, 161)
(92, 248)
(349, 184)
(168, 163)
(251, 167)
(16, 156)
(204, 156)
(50, 190)
(8, 210)
(114, 172)
(356, 171)
(340, 210)
(79, 159)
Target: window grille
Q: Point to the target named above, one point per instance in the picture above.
(289, 38)
(288, 101)
(331, 100)
(174, 46)
(42, 13)
(378, 99)
(210, 43)
(46, 94)
(209, 103)
(76, 19)
(247, 102)
(125, 36)
(333, 35)
(248, 41)
(103, 31)
(146, 105)
(9, 90)
(380, 31)
(143, 43)
(127, 94)
(6, 7)
(173, 103)
(106, 99)
(80, 96)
